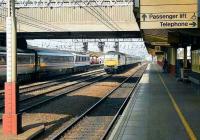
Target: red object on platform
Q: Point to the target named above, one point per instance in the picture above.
(160, 63)
(172, 69)
(11, 120)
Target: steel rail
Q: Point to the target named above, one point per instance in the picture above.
(29, 108)
(122, 107)
(59, 80)
(54, 97)
(72, 124)
(55, 80)
(52, 81)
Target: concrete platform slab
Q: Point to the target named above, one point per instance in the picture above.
(26, 135)
(162, 109)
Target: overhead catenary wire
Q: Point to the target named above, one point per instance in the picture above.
(115, 27)
(111, 19)
(99, 19)
(39, 22)
(98, 13)
(42, 23)
(22, 15)
(103, 18)
(36, 21)
(30, 24)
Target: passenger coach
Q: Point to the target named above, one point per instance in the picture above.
(34, 64)
(195, 61)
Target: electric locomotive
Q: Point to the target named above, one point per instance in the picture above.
(115, 62)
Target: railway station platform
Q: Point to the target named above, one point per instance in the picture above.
(161, 108)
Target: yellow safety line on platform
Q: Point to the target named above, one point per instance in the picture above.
(180, 114)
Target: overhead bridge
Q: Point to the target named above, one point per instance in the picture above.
(67, 17)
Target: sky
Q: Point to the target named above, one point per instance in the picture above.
(136, 47)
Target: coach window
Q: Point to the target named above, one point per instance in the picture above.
(70, 59)
(41, 59)
(32, 60)
(67, 59)
(2, 59)
(23, 59)
(62, 59)
(78, 58)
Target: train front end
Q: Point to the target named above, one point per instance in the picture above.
(111, 62)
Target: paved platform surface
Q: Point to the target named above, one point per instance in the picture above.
(25, 135)
(164, 109)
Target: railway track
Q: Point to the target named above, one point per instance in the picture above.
(67, 103)
(95, 67)
(96, 122)
(49, 83)
(58, 81)
(32, 102)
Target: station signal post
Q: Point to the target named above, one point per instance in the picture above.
(11, 119)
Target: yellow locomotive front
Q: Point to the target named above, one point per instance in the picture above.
(114, 62)
(111, 62)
